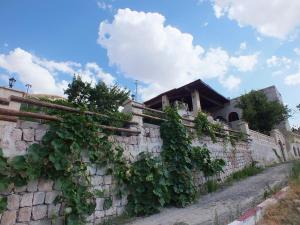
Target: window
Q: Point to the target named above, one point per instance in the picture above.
(295, 152)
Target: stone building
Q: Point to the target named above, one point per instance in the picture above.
(198, 96)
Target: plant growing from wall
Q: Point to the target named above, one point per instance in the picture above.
(213, 130)
(176, 155)
(147, 186)
(154, 182)
(204, 127)
(59, 158)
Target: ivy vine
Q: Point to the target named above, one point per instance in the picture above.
(214, 130)
(168, 180)
(59, 157)
(150, 182)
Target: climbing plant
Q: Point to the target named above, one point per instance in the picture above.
(214, 130)
(59, 157)
(204, 127)
(147, 186)
(168, 180)
(176, 155)
(151, 182)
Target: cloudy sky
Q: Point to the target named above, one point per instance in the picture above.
(233, 45)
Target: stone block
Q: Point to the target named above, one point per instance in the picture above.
(101, 171)
(38, 198)
(21, 147)
(111, 211)
(13, 202)
(40, 222)
(26, 199)
(53, 210)
(45, 185)
(32, 186)
(96, 180)
(28, 125)
(39, 212)
(9, 217)
(16, 134)
(108, 179)
(28, 134)
(24, 214)
(99, 203)
(39, 134)
(50, 196)
(99, 214)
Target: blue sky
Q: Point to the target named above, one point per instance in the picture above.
(234, 46)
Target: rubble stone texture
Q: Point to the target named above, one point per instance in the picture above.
(33, 204)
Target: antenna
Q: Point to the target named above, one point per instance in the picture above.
(28, 86)
(136, 89)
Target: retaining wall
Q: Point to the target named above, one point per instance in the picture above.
(33, 203)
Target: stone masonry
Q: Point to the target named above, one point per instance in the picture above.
(33, 203)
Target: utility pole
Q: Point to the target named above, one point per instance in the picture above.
(28, 86)
(136, 90)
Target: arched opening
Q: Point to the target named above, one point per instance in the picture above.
(282, 150)
(233, 116)
(298, 151)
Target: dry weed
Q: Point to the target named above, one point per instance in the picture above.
(287, 211)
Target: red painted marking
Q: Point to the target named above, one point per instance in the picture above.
(279, 195)
(249, 213)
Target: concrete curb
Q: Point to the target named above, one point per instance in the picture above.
(252, 216)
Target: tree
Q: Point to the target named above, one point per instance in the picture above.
(78, 92)
(101, 97)
(261, 114)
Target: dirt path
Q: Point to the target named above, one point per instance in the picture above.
(224, 205)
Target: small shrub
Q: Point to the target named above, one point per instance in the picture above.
(248, 171)
(212, 186)
(295, 170)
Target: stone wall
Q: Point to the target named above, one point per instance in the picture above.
(33, 203)
(264, 148)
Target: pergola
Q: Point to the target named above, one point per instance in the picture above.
(198, 95)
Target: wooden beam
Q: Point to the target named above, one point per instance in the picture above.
(8, 118)
(11, 112)
(4, 101)
(60, 107)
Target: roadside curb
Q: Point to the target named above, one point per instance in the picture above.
(253, 215)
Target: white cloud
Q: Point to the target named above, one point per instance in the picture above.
(42, 73)
(297, 51)
(272, 18)
(161, 56)
(293, 79)
(231, 82)
(244, 63)
(243, 46)
(104, 6)
(205, 24)
(276, 61)
(259, 39)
